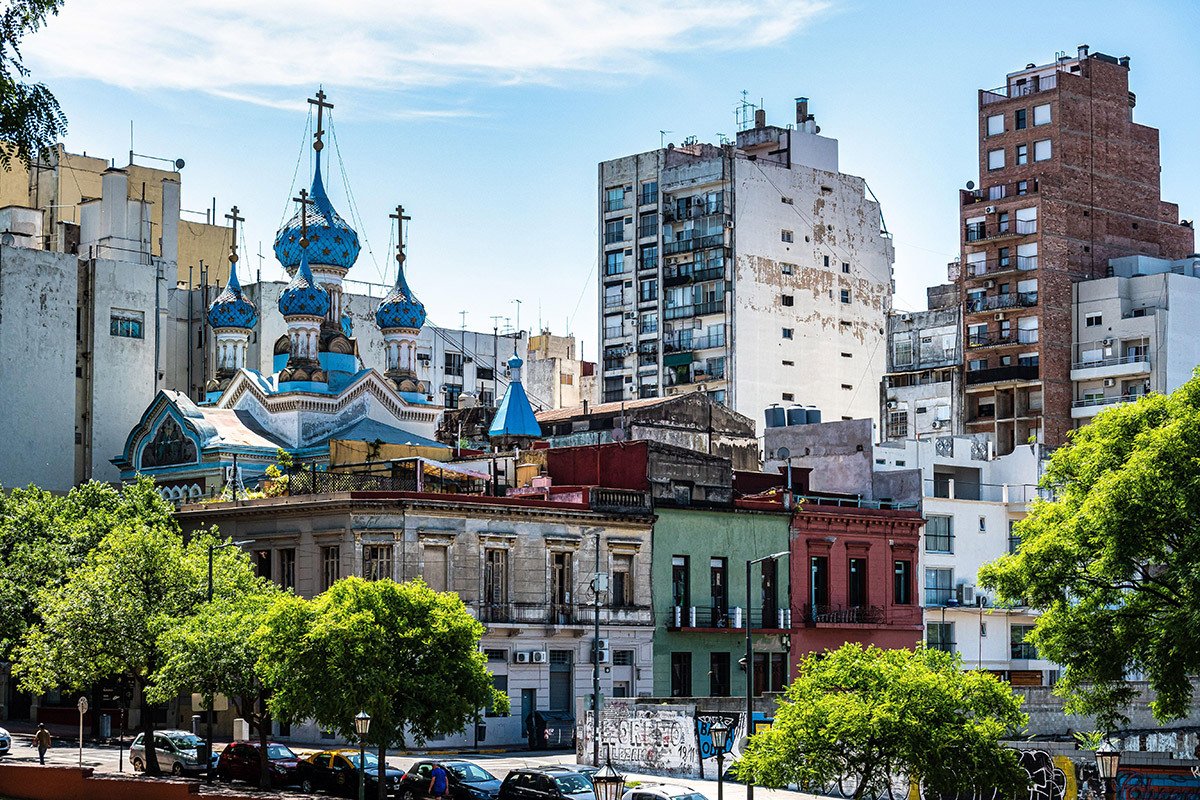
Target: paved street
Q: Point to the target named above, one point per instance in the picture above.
(105, 759)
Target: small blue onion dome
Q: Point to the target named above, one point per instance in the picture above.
(401, 308)
(330, 239)
(303, 297)
(231, 309)
(514, 361)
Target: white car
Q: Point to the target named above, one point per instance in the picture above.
(662, 791)
(177, 752)
(5, 742)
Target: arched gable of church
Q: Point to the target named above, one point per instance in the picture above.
(168, 445)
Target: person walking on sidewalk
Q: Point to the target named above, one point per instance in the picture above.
(439, 783)
(42, 740)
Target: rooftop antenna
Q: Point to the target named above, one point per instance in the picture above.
(662, 138)
(518, 302)
(743, 114)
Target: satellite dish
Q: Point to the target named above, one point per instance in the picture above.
(179, 164)
(783, 453)
(970, 184)
(618, 434)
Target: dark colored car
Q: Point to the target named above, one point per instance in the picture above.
(336, 771)
(467, 781)
(240, 761)
(547, 784)
(586, 770)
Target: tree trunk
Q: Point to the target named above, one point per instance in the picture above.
(381, 776)
(148, 733)
(263, 721)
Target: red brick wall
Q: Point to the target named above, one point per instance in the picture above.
(35, 782)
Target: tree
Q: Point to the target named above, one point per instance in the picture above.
(868, 715)
(213, 652)
(106, 619)
(1114, 560)
(30, 117)
(405, 654)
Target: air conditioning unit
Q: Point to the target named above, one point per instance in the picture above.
(602, 644)
(999, 317)
(937, 423)
(539, 657)
(990, 284)
(521, 657)
(602, 656)
(1110, 382)
(1108, 342)
(892, 403)
(906, 317)
(989, 209)
(966, 594)
(630, 315)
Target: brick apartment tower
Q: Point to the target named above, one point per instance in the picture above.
(1068, 181)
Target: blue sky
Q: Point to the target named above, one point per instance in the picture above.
(487, 120)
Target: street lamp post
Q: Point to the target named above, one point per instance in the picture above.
(596, 589)
(362, 726)
(750, 662)
(208, 753)
(609, 783)
(719, 731)
(1108, 759)
(949, 603)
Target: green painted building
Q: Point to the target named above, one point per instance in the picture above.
(698, 586)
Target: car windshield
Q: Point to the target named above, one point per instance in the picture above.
(372, 761)
(469, 773)
(186, 741)
(689, 796)
(572, 783)
(275, 751)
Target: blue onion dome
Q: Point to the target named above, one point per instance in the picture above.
(401, 308)
(231, 309)
(331, 241)
(303, 297)
(514, 361)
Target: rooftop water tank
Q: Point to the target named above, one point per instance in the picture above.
(776, 417)
(814, 415)
(796, 415)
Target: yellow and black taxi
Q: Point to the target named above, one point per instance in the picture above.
(337, 771)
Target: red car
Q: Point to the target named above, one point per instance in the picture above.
(240, 761)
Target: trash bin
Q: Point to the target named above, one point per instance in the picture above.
(195, 724)
(106, 726)
(480, 732)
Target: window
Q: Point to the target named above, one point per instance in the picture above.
(786, 235)
(681, 674)
(495, 578)
(788, 395)
(718, 675)
(819, 582)
(902, 583)
(647, 225)
(845, 267)
(262, 563)
(1022, 154)
(787, 363)
(433, 570)
(976, 364)
(484, 373)
(614, 263)
(857, 588)
(614, 198)
(500, 684)
(1093, 320)
(649, 257)
(939, 534)
(331, 566)
(996, 159)
(126, 324)
(622, 658)
(1041, 115)
(995, 125)
(614, 231)
(377, 561)
(902, 350)
(718, 577)
(1021, 119)
(452, 394)
(648, 290)
(787, 300)
(787, 201)
(940, 636)
(1041, 150)
(287, 568)
(826, 260)
(454, 364)
(496, 655)
(1020, 648)
(847, 355)
(787, 269)
(681, 582)
(1014, 539)
(938, 586)
(787, 333)
(621, 592)
(649, 193)
(845, 295)
(897, 424)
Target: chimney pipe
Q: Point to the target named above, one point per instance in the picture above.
(760, 118)
(1083, 51)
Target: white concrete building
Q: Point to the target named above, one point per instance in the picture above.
(1134, 332)
(555, 374)
(919, 392)
(755, 271)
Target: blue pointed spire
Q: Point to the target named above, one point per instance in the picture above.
(303, 297)
(331, 240)
(514, 418)
(231, 309)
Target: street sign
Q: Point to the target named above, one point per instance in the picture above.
(82, 705)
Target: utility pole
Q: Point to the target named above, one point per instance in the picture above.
(495, 358)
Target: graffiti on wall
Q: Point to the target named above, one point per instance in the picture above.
(659, 739)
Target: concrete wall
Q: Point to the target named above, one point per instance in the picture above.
(36, 782)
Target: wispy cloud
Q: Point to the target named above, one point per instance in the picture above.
(250, 51)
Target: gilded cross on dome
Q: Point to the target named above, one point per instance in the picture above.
(304, 202)
(400, 218)
(234, 219)
(319, 102)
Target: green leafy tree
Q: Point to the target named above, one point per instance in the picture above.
(1114, 560)
(213, 652)
(106, 619)
(30, 117)
(867, 715)
(405, 654)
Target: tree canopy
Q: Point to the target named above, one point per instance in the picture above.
(30, 117)
(1114, 561)
(869, 715)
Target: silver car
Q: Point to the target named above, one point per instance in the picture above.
(5, 742)
(177, 752)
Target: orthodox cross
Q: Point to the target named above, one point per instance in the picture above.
(400, 218)
(304, 202)
(234, 219)
(319, 102)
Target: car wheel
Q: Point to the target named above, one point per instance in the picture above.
(177, 769)
(407, 794)
(224, 777)
(306, 785)
(137, 765)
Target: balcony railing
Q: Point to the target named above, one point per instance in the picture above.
(1112, 361)
(614, 333)
(693, 243)
(694, 310)
(697, 208)
(683, 617)
(614, 205)
(952, 488)
(1089, 402)
(937, 597)
(618, 500)
(677, 345)
(945, 647)
(561, 614)
(1003, 300)
(613, 302)
(1018, 372)
(1033, 85)
(613, 237)
(981, 231)
(843, 615)
(614, 363)
(992, 266)
(1000, 191)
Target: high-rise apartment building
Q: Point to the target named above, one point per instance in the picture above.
(1067, 181)
(752, 270)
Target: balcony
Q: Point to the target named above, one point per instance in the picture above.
(983, 232)
(999, 302)
(615, 333)
(560, 614)
(1133, 364)
(997, 266)
(694, 310)
(1091, 406)
(1033, 85)
(843, 615)
(614, 237)
(614, 363)
(621, 501)
(614, 205)
(708, 618)
(1000, 191)
(1019, 372)
(684, 274)
(676, 345)
(954, 489)
(693, 243)
(611, 301)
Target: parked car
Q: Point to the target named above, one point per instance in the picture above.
(662, 791)
(177, 752)
(546, 784)
(467, 781)
(240, 761)
(586, 770)
(336, 771)
(5, 742)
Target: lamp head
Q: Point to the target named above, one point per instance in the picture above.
(719, 732)
(362, 723)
